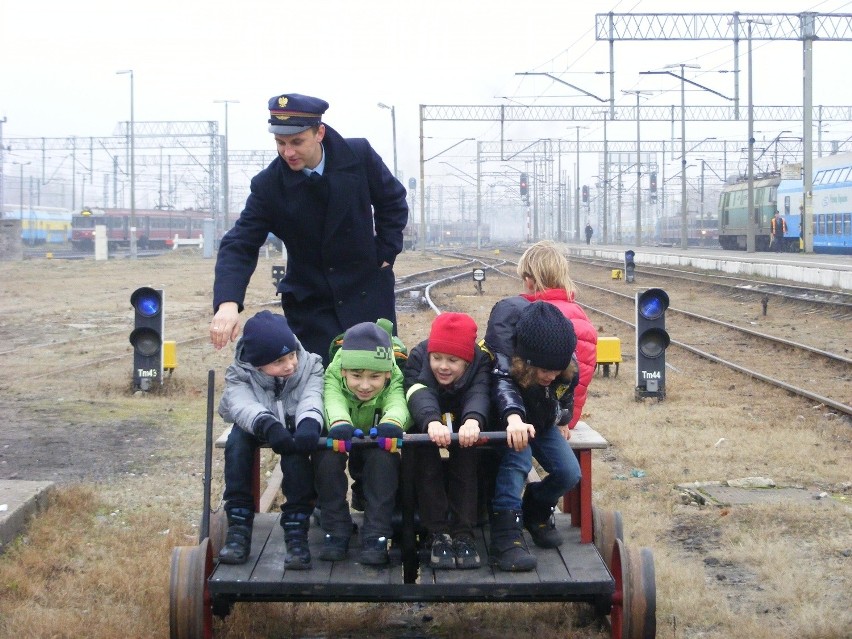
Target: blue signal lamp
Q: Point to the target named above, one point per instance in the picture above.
(629, 266)
(652, 340)
(147, 337)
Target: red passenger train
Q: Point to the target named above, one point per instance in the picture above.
(155, 228)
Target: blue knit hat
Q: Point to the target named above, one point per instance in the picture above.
(266, 337)
(366, 346)
(544, 337)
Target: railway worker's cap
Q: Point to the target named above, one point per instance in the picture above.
(366, 346)
(545, 337)
(453, 334)
(266, 337)
(293, 113)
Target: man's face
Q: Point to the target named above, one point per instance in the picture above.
(302, 149)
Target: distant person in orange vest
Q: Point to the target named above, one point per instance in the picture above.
(779, 228)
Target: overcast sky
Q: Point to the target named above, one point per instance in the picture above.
(58, 63)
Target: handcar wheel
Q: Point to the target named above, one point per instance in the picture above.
(190, 610)
(607, 526)
(218, 531)
(634, 602)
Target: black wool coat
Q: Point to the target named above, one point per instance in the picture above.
(337, 232)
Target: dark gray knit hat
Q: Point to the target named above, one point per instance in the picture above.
(266, 337)
(545, 337)
(366, 346)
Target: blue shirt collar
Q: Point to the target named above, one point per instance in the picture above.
(319, 169)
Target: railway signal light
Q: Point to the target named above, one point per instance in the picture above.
(147, 337)
(653, 187)
(525, 184)
(585, 194)
(629, 266)
(652, 340)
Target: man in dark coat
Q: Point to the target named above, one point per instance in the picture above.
(340, 214)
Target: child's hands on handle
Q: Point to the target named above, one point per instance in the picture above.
(307, 434)
(518, 432)
(388, 436)
(439, 433)
(275, 434)
(340, 437)
(469, 433)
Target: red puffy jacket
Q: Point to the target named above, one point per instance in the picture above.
(587, 341)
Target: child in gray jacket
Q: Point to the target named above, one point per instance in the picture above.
(274, 395)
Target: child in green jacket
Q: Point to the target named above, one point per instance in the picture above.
(363, 396)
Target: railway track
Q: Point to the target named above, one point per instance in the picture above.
(837, 302)
(816, 374)
(809, 372)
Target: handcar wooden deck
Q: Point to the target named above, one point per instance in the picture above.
(593, 565)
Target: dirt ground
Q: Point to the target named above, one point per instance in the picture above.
(68, 414)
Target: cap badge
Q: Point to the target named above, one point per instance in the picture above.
(282, 103)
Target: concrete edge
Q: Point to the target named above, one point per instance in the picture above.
(23, 500)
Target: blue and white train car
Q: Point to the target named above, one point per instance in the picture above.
(832, 205)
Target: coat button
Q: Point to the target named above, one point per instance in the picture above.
(331, 269)
(340, 302)
(363, 293)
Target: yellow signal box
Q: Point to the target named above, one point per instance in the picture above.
(609, 353)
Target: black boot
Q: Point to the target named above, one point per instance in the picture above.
(296, 537)
(238, 542)
(538, 519)
(508, 549)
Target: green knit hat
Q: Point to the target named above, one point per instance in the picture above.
(367, 346)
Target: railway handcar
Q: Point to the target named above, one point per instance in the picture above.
(733, 213)
(155, 228)
(42, 224)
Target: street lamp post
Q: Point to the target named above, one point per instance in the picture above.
(684, 220)
(638, 169)
(605, 224)
(382, 105)
(21, 184)
(577, 188)
(750, 240)
(226, 223)
(132, 170)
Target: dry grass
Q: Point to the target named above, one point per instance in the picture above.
(96, 562)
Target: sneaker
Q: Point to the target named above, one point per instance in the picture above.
(334, 548)
(442, 556)
(374, 551)
(464, 548)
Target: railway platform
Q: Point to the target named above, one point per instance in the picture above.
(819, 270)
(19, 501)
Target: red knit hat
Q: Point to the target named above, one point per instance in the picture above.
(453, 334)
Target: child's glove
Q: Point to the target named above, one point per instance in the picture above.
(307, 434)
(340, 437)
(388, 436)
(275, 434)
